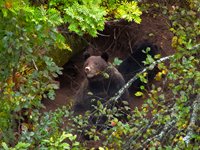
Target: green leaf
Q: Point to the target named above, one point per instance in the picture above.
(106, 75)
(5, 146)
(22, 145)
(117, 62)
(139, 94)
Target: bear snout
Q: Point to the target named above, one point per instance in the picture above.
(87, 69)
(90, 71)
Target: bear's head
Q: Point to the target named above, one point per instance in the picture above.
(94, 65)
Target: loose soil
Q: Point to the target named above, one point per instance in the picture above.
(117, 39)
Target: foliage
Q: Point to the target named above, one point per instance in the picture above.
(83, 17)
(26, 72)
(120, 9)
(89, 16)
(26, 76)
(46, 132)
(19, 146)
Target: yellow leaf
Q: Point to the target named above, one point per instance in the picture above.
(145, 109)
(8, 4)
(158, 76)
(101, 148)
(139, 93)
(184, 126)
(164, 71)
(174, 41)
(157, 56)
(145, 74)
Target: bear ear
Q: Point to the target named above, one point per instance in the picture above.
(86, 55)
(105, 56)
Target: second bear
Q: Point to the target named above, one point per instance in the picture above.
(134, 64)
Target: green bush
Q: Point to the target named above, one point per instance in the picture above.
(89, 16)
(26, 76)
(26, 72)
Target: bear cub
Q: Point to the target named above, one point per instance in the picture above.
(102, 81)
(134, 63)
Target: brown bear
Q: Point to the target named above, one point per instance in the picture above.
(134, 63)
(102, 81)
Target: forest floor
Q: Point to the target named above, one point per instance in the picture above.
(117, 39)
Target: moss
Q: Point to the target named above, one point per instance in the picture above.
(62, 56)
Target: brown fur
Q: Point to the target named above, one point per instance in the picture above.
(102, 84)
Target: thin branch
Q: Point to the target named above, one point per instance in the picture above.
(103, 35)
(195, 47)
(34, 64)
(166, 127)
(129, 83)
(193, 121)
(159, 134)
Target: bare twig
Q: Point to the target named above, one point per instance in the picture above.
(128, 84)
(193, 120)
(160, 134)
(103, 35)
(34, 64)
